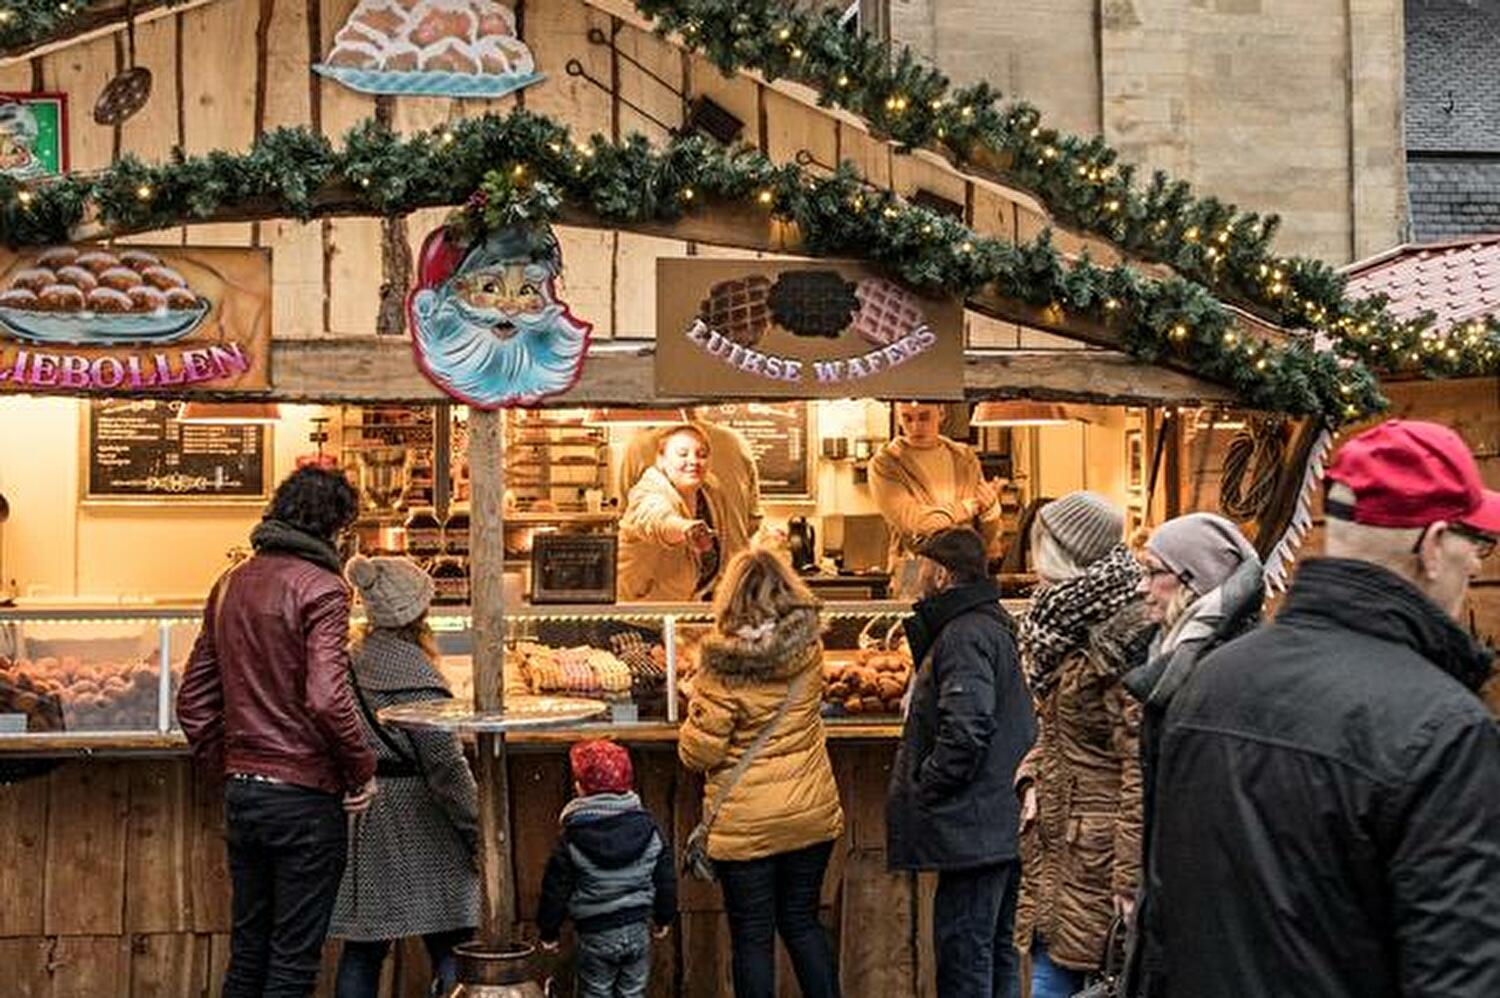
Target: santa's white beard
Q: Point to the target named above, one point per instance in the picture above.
(467, 357)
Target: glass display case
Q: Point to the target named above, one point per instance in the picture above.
(115, 672)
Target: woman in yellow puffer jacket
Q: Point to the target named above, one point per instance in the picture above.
(776, 829)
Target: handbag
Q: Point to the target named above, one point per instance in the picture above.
(695, 860)
(1110, 981)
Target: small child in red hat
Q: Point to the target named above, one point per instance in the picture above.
(611, 872)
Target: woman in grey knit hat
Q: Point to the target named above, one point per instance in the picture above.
(1202, 587)
(412, 868)
(1080, 784)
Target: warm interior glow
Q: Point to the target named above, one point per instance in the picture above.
(1022, 412)
(246, 413)
(634, 417)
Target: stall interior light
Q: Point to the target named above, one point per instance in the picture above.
(634, 417)
(1025, 413)
(246, 413)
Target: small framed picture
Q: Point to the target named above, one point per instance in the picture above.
(1135, 460)
(573, 568)
(1135, 519)
(33, 135)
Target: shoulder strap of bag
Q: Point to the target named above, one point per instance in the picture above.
(380, 732)
(761, 737)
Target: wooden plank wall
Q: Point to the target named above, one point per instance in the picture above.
(228, 71)
(1471, 406)
(115, 883)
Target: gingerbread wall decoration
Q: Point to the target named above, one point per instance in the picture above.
(486, 323)
(433, 48)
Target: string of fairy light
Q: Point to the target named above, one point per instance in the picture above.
(525, 168)
(1079, 180)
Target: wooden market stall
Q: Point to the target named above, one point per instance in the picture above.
(116, 882)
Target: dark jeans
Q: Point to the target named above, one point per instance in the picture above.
(360, 963)
(973, 916)
(287, 847)
(778, 894)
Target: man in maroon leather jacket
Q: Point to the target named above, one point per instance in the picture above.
(265, 702)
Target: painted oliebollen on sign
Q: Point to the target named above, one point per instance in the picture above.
(829, 329)
(135, 319)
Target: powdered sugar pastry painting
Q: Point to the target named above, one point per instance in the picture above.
(433, 48)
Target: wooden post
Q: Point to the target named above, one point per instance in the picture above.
(486, 576)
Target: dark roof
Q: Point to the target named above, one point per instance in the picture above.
(1453, 196)
(1453, 75)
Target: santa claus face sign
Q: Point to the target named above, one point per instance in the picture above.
(486, 324)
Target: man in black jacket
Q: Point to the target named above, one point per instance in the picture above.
(1329, 803)
(952, 805)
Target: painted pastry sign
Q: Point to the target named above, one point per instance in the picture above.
(801, 330)
(486, 323)
(135, 319)
(434, 48)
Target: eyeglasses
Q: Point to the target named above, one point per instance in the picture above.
(1484, 543)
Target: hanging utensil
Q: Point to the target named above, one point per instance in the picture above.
(128, 92)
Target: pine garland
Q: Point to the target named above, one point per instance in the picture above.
(1079, 180)
(525, 167)
(28, 23)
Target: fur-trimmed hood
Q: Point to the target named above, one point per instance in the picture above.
(779, 652)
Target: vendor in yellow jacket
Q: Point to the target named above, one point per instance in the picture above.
(678, 530)
(924, 482)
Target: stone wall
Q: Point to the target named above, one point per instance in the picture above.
(1290, 106)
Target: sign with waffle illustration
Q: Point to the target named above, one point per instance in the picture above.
(430, 48)
(815, 329)
(88, 318)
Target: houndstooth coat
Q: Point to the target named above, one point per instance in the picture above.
(411, 869)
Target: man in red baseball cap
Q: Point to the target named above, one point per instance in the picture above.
(1328, 803)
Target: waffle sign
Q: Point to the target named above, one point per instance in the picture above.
(819, 329)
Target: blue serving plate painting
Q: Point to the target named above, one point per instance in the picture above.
(427, 84)
(103, 328)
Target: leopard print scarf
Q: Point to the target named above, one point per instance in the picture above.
(1061, 615)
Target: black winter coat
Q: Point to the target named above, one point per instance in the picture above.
(1328, 809)
(952, 802)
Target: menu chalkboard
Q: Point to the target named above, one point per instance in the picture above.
(779, 437)
(137, 450)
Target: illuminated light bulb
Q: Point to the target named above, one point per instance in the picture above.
(1112, 206)
(448, 138)
(1179, 332)
(24, 197)
(554, 147)
(764, 197)
(966, 247)
(796, 52)
(1223, 236)
(967, 112)
(1230, 338)
(143, 192)
(687, 194)
(6, 15)
(843, 80)
(1083, 171)
(937, 104)
(1260, 365)
(1036, 131)
(364, 181)
(1191, 235)
(1050, 152)
(518, 172)
(784, 34)
(1111, 304)
(926, 230)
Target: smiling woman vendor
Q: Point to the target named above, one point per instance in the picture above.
(676, 532)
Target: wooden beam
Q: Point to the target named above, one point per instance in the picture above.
(98, 22)
(368, 369)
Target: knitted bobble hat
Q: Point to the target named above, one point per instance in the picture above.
(1084, 524)
(394, 591)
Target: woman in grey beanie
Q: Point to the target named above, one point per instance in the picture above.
(1085, 627)
(1202, 587)
(411, 869)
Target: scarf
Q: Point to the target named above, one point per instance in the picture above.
(596, 806)
(280, 536)
(1061, 615)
